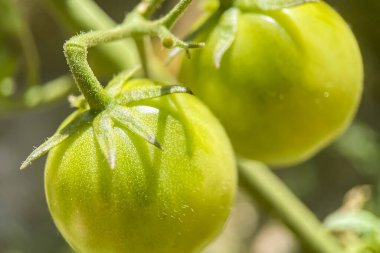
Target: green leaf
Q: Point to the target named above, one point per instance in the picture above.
(361, 222)
(279, 4)
(116, 84)
(227, 29)
(103, 129)
(57, 138)
(151, 92)
(130, 122)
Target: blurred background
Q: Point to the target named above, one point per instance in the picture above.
(352, 164)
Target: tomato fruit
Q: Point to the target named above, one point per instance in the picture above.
(288, 85)
(170, 200)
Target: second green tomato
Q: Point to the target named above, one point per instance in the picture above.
(289, 84)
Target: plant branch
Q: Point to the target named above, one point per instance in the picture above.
(76, 50)
(172, 17)
(86, 15)
(265, 188)
(148, 7)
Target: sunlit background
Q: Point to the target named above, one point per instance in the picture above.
(321, 183)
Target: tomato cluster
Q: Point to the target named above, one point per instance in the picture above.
(284, 82)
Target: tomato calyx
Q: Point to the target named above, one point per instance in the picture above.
(228, 14)
(264, 5)
(117, 112)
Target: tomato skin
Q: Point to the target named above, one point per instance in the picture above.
(163, 201)
(289, 85)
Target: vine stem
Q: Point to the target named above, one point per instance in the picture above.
(135, 25)
(172, 17)
(269, 191)
(76, 50)
(86, 15)
(148, 7)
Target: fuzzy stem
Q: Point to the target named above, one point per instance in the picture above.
(265, 188)
(172, 17)
(148, 7)
(76, 50)
(76, 55)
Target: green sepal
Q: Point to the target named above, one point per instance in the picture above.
(361, 222)
(58, 138)
(269, 5)
(116, 84)
(227, 29)
(150, 92)
(130, 122)
(364, 224)
(78, 102)
(280, 4)
(103, 130)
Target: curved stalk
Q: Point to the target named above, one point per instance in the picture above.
(172, 17)
(269, 191)
(76, 50)
(147, 7)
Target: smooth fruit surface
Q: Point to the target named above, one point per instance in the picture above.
(289, 84)
(163, 201)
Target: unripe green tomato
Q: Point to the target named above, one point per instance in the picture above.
(289, 84)
(173, 200)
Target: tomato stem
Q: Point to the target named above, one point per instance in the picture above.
(147, 7)
(172, 17)
(76, 50)
(76, 54)
(268, 190)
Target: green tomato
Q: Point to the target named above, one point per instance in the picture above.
(288, 85)
(171, 200)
